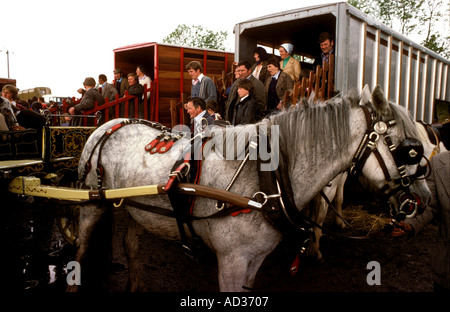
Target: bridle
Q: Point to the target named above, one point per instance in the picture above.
(408, 152)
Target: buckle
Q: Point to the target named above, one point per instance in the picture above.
(265, 197)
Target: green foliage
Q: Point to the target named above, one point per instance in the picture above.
(436, 44)
(419, 17)
(364, 6)
(197, 36)
(433, 40)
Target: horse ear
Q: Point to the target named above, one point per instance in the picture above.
(365, 95)
(379, 101)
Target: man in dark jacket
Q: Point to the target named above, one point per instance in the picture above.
(326, 46)
(87, 102)
(244, 70)
(120, 82)
(277, 84)
(136, 89)
(200, 118)
(245, 110)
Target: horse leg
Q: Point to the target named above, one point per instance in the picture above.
(237, 270)
(240, 256)
(90, 216)
(339, 199)
(131, 246)
(319, 209)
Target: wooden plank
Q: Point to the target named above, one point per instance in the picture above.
(165, 74)
(172, 67)
(173, 113)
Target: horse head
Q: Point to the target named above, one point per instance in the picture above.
(391, 154)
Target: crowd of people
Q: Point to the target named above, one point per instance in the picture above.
(259, 88)
(18, 114)
(270, 76)
(134, 83)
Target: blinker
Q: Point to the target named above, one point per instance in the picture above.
(410, 151)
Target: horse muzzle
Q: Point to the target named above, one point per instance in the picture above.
(408, 206)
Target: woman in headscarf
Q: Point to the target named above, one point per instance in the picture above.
(259, 69)
(288, 64)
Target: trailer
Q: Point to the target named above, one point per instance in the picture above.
(366, 52)
(166, 66)
(5, 81)
(38, 92)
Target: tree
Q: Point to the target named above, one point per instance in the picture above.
(433, 40)
(367, 7)
(197, 36)
(411, 17)
(437, 45)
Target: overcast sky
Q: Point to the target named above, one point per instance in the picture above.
(57, 44)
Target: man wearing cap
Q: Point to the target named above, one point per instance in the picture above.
(120, 83)
(326, 46)
(87, 102)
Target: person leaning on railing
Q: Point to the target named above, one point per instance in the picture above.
(87, 102)
(137, 90)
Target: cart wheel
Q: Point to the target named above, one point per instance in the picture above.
(68, 223)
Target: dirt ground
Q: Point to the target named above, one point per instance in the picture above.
(36, 255)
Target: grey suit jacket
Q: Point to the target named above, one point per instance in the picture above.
(88, 100)
(208, 90)
(284, 84)
(109, 92)
(439, 206)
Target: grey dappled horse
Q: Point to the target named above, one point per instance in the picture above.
(315, 144)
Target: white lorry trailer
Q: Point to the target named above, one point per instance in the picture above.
(366, 52)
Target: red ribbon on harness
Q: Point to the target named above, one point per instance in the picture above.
(294, 266)
(246, 210)
(166, 147)
(158, 146)
(114, 128)
(153, 143)
(175, 174)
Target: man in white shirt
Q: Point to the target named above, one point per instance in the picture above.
(200, 118)
(144, 79)
(202, 85)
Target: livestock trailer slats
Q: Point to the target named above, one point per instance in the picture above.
(366, 52)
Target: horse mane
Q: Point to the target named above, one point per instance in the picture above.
(404, 120)
(315, 129)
